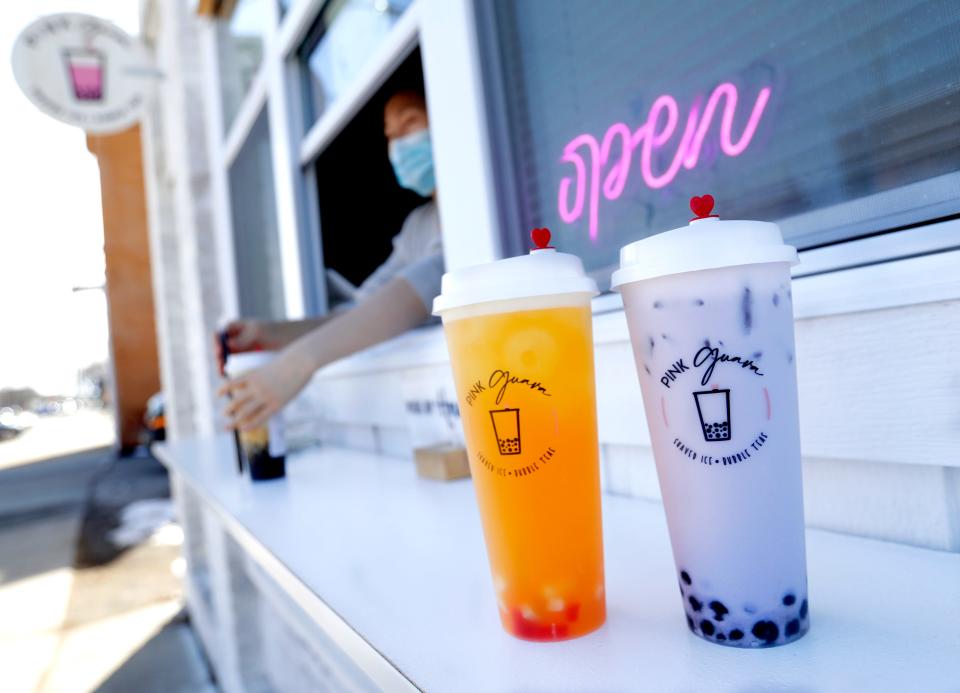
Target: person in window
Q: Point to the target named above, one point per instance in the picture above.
(395, 298)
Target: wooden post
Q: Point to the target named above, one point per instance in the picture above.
(133, 337)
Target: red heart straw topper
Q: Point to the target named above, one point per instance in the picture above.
(541, 237)
(702, 206)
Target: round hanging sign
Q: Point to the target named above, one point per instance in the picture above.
(83, 71)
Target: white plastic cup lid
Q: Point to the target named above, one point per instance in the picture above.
(543, 272)
(246, 361)
(705, 243)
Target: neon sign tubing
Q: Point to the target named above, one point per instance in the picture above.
(649, 138)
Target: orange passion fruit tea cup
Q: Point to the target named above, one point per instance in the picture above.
(519, 333)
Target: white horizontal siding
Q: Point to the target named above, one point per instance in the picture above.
(880, 415)
(877, 385)
(882, 385)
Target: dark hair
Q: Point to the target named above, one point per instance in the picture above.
(408, 77)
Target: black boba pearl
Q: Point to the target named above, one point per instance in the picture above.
(690, 624)
(736, 634)
(681, 588)
(707, 627)
(793, 627)
(803, 609)
(719, 610)
(685, 576)
(721, 637)
(766, 631)
(789, 600)
(695, 603)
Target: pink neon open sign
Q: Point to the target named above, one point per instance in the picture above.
(600, 162)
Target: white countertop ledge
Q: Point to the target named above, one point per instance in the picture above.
(393, 568)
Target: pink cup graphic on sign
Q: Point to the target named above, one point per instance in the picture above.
(85, 68)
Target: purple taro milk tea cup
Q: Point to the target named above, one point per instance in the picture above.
(710, 316)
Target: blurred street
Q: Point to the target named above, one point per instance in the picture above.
(90, 567)
(51, 436)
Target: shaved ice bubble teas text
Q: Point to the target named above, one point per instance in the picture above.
(710, 316)
(519, 332)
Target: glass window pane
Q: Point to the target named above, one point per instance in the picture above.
(240, 49)
(837, 122)
(255, 241)
(345, 36)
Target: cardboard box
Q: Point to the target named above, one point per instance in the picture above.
(443, 462)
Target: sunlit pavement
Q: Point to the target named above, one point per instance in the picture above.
(116, 625)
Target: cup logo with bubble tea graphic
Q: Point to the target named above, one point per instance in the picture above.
(508, 431)
(507, 422)
(713, 408)
(713, 405)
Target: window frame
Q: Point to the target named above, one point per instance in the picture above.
(400, 43)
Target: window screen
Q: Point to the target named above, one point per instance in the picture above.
(240, 49)
(836, 119)
(255, 241)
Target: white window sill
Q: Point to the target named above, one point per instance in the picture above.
(913, 281)
(405, 591)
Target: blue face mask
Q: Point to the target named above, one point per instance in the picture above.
(412, 159)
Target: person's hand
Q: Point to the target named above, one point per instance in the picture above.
(259, 394)
(242, 335)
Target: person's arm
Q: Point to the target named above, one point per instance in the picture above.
(390, 310)
(249, 334)
(282, 333)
